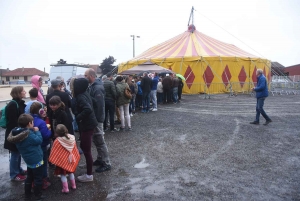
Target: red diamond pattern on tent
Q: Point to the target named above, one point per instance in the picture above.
(190, 77)
(226, 76)
(208, 76)
(254, 78)
(242, 76)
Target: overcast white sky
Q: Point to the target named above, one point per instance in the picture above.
(36, 33)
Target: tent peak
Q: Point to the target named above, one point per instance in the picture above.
(191, 28)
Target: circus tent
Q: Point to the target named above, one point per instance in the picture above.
(209, 65)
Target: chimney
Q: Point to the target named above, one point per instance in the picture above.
(44, 70)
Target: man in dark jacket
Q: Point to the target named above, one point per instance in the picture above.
(97, 92)
(146, 85)
(175, 83)
(65, 98)
(110, 102)
(167, 87)
(261, 94)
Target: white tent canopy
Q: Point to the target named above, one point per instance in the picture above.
(146, 67)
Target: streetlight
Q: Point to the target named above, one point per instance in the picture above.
(133, 36)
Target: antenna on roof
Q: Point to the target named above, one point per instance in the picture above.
(191, 16)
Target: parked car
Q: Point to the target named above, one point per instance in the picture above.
(21, 82)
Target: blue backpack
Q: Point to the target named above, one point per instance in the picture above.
(3, 120)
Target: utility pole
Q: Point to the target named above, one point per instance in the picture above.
(133, 36)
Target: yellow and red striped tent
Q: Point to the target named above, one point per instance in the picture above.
(209, 65)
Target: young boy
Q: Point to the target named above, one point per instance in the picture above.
(33, 98)
(28, 140)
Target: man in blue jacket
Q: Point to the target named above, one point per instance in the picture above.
(261, 93)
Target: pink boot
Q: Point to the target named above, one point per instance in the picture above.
(73, 184)
(65, 187)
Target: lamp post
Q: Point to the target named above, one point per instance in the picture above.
(133, 36)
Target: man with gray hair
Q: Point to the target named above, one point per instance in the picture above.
(262, 93)
(97, 93)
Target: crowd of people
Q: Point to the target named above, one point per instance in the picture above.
(42, 130)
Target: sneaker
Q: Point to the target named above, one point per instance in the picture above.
(97, 163)
(267, 122)
(151, 109)
(85, 178)
(154, 110)
(19, 177)
(45, 184)
(254, 122)
(106, 129)
(129, 129)
(122, 129)
(103, 168)
(131, 114)
(114, 130)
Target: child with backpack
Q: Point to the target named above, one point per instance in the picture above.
(65, 155)
(38, 113)
(28, 140)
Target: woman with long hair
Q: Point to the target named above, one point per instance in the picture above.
(14, 109)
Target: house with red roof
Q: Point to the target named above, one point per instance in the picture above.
(23, 74)
(292, 70)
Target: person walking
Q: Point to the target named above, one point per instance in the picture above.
(261, 94)
(14, 109)
(97, 92)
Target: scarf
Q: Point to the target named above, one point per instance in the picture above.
(68, 144)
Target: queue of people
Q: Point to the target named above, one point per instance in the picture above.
(42, 130)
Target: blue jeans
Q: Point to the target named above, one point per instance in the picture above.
(260, 109)
(175, 94)
(45, 159)
(146, 101)
(153, 98)
(15, 164)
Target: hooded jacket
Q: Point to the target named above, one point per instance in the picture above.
(28, 143)
(83, 111)
(45, 132)
(97, 93)
(35, 84)
(12, 115)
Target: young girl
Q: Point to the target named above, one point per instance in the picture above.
(38, 113)
(65, 156)
(58, 115)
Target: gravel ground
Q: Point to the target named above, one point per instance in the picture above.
(199, 149)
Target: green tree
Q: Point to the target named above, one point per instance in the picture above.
(107, 65)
